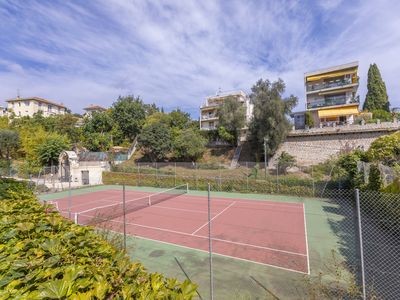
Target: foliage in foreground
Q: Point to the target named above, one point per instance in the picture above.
(44, 256)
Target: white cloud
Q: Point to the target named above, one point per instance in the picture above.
(178, 52)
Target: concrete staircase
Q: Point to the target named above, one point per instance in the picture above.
(236, 157)
(132, 148)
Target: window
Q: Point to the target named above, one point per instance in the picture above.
(49, 107)
(26, 103)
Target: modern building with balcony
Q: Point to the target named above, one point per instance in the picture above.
(208, 110)
(331, 94)
(22, 107)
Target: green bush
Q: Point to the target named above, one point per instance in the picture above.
(385, 149)
(44, 256)
(382, 115)
(285, 161)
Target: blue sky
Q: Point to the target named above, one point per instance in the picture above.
(175, 53)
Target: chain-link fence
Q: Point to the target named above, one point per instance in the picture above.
(340, 244)
(248, 177)
(380, 223)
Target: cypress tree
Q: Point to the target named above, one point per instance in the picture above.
(377, 97)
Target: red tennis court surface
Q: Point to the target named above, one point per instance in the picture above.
(264, 232)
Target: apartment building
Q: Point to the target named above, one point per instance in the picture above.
(92, 109)
(22, 107)
(208, 110)
(331, 94)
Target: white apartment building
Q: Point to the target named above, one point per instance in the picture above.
(22, 107)
(208, 110)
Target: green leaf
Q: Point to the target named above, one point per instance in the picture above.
(54, 289)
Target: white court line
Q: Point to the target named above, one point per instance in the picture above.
(189, 210)
(213, 217)
(251, 245)
(252, 201)
(306, 235)
(223, 255)
(54, 203)
(204, 237)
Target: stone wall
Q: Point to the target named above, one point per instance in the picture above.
(317, 145)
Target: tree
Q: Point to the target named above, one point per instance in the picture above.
(189, 144)
(180, 119)
(49, 150)
(155, 141)
(232, 116)
(309, 121)
(285, 161)
(9, 142)
(271, 112)
(129, 113)
(97, 141)
(376, 97)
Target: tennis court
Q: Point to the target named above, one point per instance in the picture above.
(263, 232)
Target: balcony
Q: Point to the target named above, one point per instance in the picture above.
(333, 101)
(208, 128)
(209, 117)
(334, 84)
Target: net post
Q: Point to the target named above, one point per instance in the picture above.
(76, 218)
(187, 188)
(124, 214)
(357, 196)
(210, 244)
(69, 196)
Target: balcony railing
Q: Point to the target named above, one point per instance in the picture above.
(207, 117)
(333, 101)
(327, 85)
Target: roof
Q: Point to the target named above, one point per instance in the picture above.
(93, 156)
(36, 99)
(332, 69)
(94, 107)
(227, 94)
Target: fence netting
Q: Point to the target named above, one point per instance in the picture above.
(265, 244)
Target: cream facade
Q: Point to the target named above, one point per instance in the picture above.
(208, 110)
(92, 109)
(22, 107)
(331, 94)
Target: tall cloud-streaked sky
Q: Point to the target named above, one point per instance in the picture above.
(175, 53)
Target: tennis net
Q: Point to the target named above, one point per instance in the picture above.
(105, 213)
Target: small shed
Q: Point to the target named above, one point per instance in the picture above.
(83, 168)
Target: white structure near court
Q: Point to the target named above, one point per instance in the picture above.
(85, 168)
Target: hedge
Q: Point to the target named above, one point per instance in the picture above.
(285, 186)
(44, 256)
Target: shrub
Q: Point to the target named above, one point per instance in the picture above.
(385, 149)
(44, 256)
(382, 115)
(374, 178)
(285, 161)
